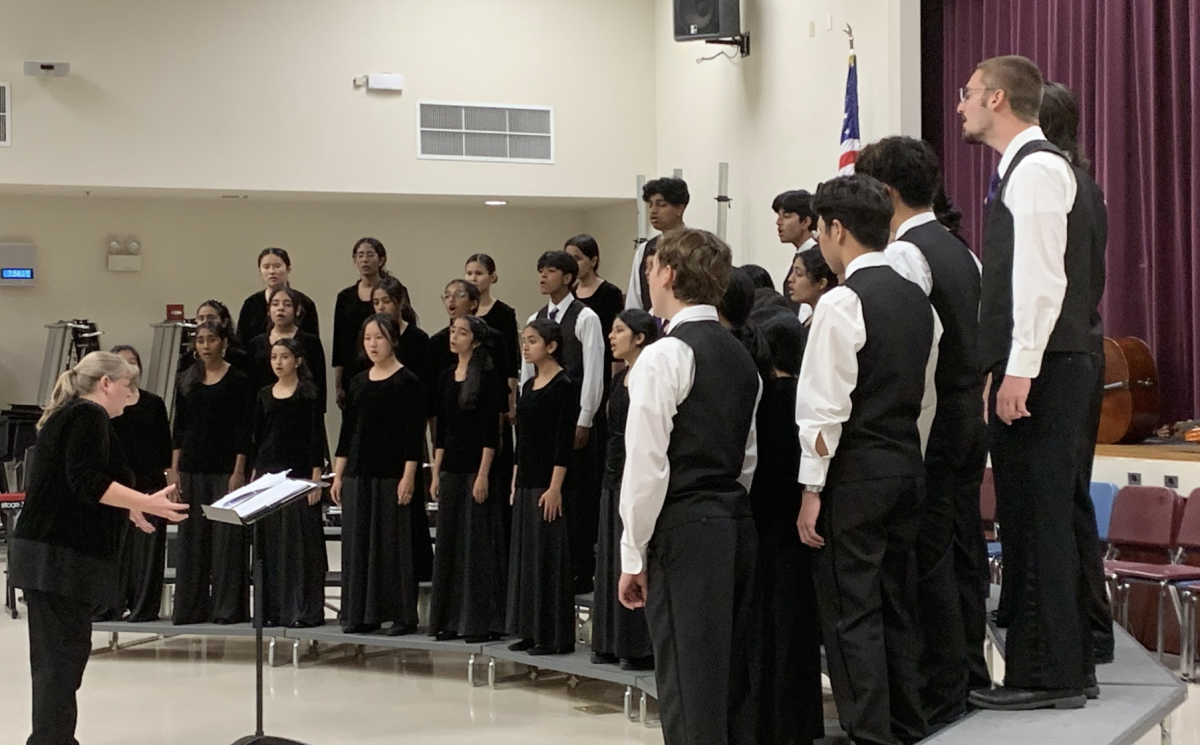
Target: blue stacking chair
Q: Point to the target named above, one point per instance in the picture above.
(1103, 496)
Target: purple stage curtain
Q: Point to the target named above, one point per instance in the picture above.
(1134, 66)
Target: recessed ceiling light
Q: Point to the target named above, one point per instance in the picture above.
(495, 202)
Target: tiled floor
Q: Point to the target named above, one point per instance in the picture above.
(194, 691)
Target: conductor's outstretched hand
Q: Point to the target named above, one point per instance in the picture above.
(160, 503)
(632, 590)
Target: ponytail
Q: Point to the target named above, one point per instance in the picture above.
(83, 378)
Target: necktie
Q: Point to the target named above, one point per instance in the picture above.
(993, 185)
(554, 314)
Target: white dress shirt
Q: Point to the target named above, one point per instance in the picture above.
(633, 297)
(908, 260)
(829, 374)
(658, 383)
(1039, 194)
(591, 336)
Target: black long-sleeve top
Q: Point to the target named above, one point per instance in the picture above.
(618, 415)
(288, 434)
(464, 433)
(503, 320)
(546, 420)
(439, 358)
(382, 425)
(314, 357)
(607, 301)
(144, 431)
(66, 541)
(253, 320)
(349, 314)
(413, 349)
(212, 424)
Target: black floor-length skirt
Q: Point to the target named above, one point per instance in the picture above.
(294, 566)
(212, 579)
(143, 561)
(616, 630)
(422, 543)
(379, 579)
(469, 581)
(541, 605)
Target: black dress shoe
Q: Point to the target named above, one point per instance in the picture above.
(521, 645)
(539, 650)
(601, 658)
(1005, 698)
(1091, 689)
(478, 639)
(1001, 621)
(637, 663)
(446, 636)
(401, 629)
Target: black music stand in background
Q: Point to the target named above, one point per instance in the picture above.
(247, 507)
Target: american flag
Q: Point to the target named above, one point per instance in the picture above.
(850, 141)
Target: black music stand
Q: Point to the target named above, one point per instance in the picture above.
(247, 507)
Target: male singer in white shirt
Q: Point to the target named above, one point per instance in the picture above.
(666, 200)
(795, 223)
(1040, 334)
(583, 359)
(865, 378)
(689, 545)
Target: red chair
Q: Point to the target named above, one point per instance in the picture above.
(1188, 594)
(1153, 518)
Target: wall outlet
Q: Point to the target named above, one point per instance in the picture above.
(1135, 479)
(1171, 482)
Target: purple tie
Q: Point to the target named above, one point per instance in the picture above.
(993, 185)
(554, 314)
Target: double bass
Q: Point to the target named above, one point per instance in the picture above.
(1132, 400)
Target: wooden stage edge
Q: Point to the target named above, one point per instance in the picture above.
(1171, 451)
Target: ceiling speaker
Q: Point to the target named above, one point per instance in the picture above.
(707, 19)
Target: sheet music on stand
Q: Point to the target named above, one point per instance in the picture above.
(261, 496)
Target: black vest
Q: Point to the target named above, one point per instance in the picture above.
(881, 439)
(572, 356)
(1079, 328)
(955, 297)
(651, 249)
(708, 439)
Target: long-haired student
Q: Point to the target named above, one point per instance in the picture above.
(289, 435)
(286, 314)
(541, 604)
(618, 633)
(377, 457)
(211, 438)
(469, 577)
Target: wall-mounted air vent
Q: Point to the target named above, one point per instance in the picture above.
(461, 131)
(5, 116)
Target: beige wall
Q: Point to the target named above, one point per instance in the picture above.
(193, 250)
(245, 96)
(776, 116)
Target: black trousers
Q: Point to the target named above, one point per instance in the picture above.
(952, 566)
(866, 577)
(60, 641)
(1036, 463)
(212, 579)
(702, 610)
(581, 506)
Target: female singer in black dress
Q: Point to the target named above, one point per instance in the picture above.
(480, 271)
(811, 279)
(391, 298)
(144, 431)
(289, 435)
(791, 708)
(211, 439)
(469, 573)
(596, 292)
(214, 311)
(541, 605)
(375, 476)
(461, 299)
(287, 314)
(619, 634)
(64, 549)
(275, 267)
(352, 308)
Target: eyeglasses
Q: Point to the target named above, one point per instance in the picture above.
(964, 93)
(460, 295)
